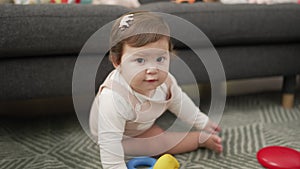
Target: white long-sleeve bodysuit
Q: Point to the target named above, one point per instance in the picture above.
(115, 114)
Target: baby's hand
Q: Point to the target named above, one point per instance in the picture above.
(211, 127)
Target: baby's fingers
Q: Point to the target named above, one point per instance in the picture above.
(212, 127)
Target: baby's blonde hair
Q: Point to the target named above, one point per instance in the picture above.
(145, 28)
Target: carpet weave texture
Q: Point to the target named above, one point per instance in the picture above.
(249, 123)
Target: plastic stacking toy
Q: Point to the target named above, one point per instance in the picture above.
(140, 162)
(279, 157)
(166, 161)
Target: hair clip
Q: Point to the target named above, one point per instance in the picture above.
(126, 21)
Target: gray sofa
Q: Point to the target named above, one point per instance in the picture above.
(39, 44)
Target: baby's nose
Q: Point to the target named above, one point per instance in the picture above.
(151, 70)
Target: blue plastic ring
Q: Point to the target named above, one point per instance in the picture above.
(141, 161)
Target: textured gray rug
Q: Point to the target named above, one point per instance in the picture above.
(249, 123)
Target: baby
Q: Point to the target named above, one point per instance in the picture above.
(138, 91)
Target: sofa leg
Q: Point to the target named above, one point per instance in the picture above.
(288, 100)
(288, 90)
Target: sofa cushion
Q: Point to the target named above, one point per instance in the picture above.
(50, 29)
(241, 62)
(238, 23)
(63, 29)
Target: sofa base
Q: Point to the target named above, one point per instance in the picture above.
(37, 107)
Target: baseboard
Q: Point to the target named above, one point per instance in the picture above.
(241, 87)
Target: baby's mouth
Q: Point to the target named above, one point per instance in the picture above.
(151, 80)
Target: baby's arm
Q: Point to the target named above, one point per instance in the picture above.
(184, 108)
(111, 124)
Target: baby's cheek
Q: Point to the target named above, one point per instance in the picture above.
(163, 76)
(137, 79)
(163, 67)
(130, 72)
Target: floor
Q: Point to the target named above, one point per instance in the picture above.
(249, 123)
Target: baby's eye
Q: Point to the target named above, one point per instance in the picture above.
(140, 60)
(161, 59)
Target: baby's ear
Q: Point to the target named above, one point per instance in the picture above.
(115, 65)
(113, 60)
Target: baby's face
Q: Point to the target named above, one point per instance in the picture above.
(145, 68)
